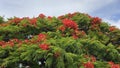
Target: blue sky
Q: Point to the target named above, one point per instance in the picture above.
(108, 10)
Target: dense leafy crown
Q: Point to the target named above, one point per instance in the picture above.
(74, 40)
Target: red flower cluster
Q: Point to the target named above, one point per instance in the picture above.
(26, 18)
(33, 21)
(78, 34)
(94, 27)
(61, 17)
(74, 36)
(4, 44)
(70, 24)
(69, 15)
(44, 46)
(16, 20)
(89, 65)
(49, 17)
(112, 28)
(42, 16)
(10, 43)
(26, 41)
(112, 65)
(62, 28)
(93, 59)
(15, 40)
(41, 37)
(96, 20)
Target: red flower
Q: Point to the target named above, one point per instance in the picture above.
(44, 46)
(26, 40)
(25, 18)
(79, 33)
(61, 17)
(74, 36)
(11, 44)
(96, 20)
(115, 66)
(33, 21)
(3, 46)
(62, 28)
(16, 20)
(89, 65)
(2, 43)
(70, 15)
(42, 16)
(83, 33)
(93, 59)
(16, 40)
(41, 37)
(70, 24)
(49, 17)
(112, 65)
(112, 28)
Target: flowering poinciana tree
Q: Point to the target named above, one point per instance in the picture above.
(74, 40)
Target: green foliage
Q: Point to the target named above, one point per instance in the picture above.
(1, 20)
(83, 21)
(99, 64)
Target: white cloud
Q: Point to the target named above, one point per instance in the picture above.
(50, 7)
(112, 22)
